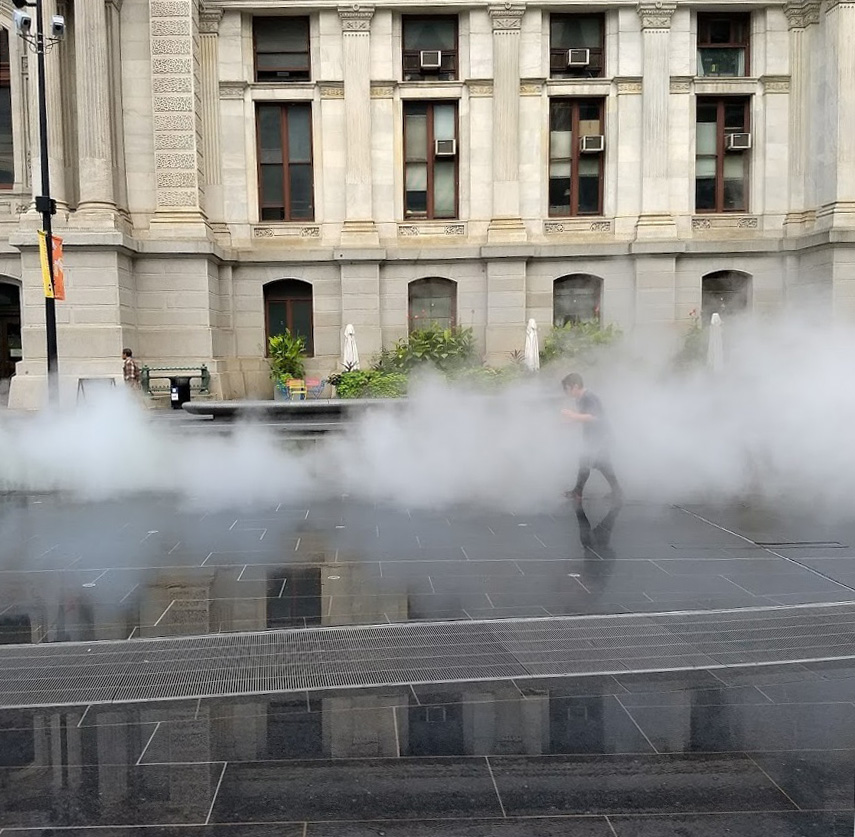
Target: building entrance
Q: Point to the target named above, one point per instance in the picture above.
(10, 336)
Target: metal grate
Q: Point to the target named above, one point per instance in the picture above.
(222, 665)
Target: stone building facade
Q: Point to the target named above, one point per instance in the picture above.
(225, 169)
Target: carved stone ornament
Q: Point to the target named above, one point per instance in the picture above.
(657, 14)
(331, 89)
(802, 13)
(384, 90)
(701, 224)
(209, 21)
(831, 5)
(508, 16)
(628, 85)
(681, 84)
(355, 18)
(775, 84)
(232, 89)
(530, 87)
(480, 88)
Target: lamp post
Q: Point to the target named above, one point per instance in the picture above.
(44, 203)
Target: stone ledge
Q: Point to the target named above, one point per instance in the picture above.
(420, 229)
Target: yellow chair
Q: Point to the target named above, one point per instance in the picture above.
(296, 389)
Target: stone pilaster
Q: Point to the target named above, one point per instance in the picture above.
(209, 28)
(94, 117)
(359, 228)
(506, 225)
(176, 113)
(114, 40)
(655, 220)
(800, 14)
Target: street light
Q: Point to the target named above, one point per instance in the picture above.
(44, 203)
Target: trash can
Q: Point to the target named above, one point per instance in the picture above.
(179, 391)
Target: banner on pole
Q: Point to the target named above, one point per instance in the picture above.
(56, 289)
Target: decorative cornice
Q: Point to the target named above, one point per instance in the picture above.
(209, 21)
(628, 84)
(656, 14)
(681, 84)
(531, 87)
(382, 89)
(775, 84)
(232, 89)
(331, 89)
(480, 87)
(355, 18)
(802, 13)
(506, 17)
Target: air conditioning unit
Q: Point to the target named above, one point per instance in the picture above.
(430, 59)
(592, 144)
(578, 57)
(445, 148)
(737, 142)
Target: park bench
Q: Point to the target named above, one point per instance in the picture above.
(148, 374)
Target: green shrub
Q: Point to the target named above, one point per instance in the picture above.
(286, 354)
(448, 349)
(369, 383)
(693, 352)
(581, 342)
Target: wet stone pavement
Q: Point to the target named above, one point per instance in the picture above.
(761, 750)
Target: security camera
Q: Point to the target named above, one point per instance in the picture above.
(23, 21)
(57, 27)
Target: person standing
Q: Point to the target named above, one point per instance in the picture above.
(596, 437)
(130, 369)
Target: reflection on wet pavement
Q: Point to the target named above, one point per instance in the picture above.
(758, 751)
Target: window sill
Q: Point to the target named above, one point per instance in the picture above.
(305, 230)
(421, 228)
(579, 224)
(724, 221)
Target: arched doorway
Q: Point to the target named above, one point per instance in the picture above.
(10, 335)
(576, 299)
(288, 305)
(432, 302)
(725, 292)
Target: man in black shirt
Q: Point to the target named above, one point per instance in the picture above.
(596, 437)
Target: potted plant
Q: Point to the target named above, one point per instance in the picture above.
(286, 355)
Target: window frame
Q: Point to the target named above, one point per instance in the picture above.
(567, 281)
(576, 155)
(308, 77)
(429, 104)
(425, 281)
(705, 19)
(721, 154)
(583, 73)
(6, 85)
(274, 295)
(284, 108)
(430, 76)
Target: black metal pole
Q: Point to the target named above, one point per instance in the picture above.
(46, 206)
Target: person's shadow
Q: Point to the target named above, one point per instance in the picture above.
(599, 556)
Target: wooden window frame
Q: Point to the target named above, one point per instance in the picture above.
(284, 109)
(575, 155)
(6, 84)
(555, 51)
(448, 283)
(705, 19)
(721, 153)
(288, 298)
(428, 75)
(429, 105)
(308, 72)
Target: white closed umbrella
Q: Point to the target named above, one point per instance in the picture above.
(350, 355)
(531, 356)
(715, 350)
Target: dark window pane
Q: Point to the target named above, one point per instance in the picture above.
(289, 61)
(577, 32)
(438, 33)
(273, 213)
(734, 195)
(589, 110)
(705, 193)
(562, 116)
(277, 318)
(576, 299)
(270, 134)
(299, 134)
(301, 313)
(589, 186)
(559, 195)
(272, 189)
(7, 166)
(281, 34)
(719, 32)
(707, 111)
(301, 192)
(734, 116)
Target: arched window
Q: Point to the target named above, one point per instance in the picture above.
(725, 292)
(7, 162)
(576, 299)
(10, 329)
(288, 305)
(432, 301)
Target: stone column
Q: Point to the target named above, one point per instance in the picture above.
(506, 225)
(358, 228)
(56, 133)
(114, 37)
(655, 220)
(800, 14)
(209, 28)
(94, 123)
(176, 117)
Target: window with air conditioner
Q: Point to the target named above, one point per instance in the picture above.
(429, 48)
(576, 142)
(723, 44)
(721, 170)
(281, 48)
(430, 160)
(576, 46)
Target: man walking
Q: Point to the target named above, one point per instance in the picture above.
(130, 369)
(596, 437)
